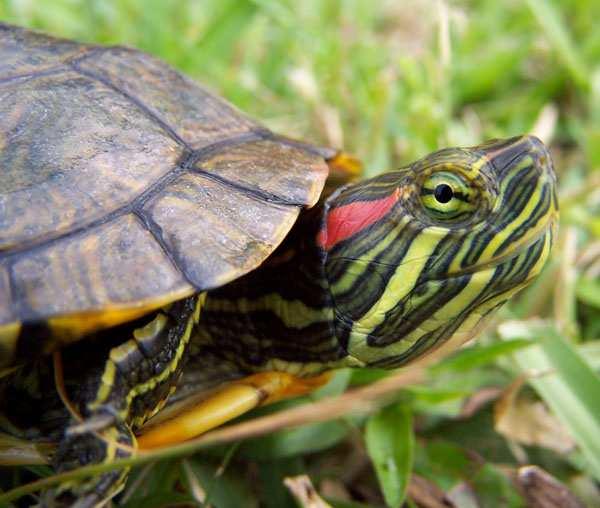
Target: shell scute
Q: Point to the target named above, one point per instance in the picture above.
(23, 52)
(125, 185)
(71, 152)
(196, 116)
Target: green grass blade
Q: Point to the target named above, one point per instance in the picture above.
(566, 383)
(478, 355)
(554, 28)
(390, 443)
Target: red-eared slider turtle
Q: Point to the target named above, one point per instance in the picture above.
(160, 239)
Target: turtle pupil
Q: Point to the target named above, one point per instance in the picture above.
(443, 193)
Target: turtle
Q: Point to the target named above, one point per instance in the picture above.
(157, 243)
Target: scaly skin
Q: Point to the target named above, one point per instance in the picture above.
(392, 274)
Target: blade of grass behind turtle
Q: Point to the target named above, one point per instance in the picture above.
(554, 28)
(362, 400)
(390, 443)
(564, 381)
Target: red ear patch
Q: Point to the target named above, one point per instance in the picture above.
(347, 220)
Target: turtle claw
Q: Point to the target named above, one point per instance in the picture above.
(85, 446)
(57, 499)
(77, 496)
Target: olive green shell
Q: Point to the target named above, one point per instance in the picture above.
(124, 185)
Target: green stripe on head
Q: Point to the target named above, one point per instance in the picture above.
(416, 256)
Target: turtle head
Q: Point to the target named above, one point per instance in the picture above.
(417, 256)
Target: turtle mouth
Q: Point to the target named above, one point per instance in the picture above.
(548, 227)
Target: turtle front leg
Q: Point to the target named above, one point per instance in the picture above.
(132, 386)
(117, 442)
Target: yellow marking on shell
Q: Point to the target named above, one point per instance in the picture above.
(9, 335)
(346, 163)
(401, 282)
(231, 401)
(293, 313)
(90, 248)
(72, 327)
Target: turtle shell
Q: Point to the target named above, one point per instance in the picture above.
(124, 186)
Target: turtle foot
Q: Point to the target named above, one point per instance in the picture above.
(88, 448)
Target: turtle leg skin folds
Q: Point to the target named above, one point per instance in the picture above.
(130, 387)
(87, 448)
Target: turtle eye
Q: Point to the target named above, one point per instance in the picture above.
(446, 195)
(443, 193)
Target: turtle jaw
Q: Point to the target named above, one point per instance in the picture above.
(475, 294)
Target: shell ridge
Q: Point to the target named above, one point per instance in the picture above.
(201, 154)
(321, 151)
(156, 231)
(57, 69)
(133, 100)
(135, 205)
(256, 194)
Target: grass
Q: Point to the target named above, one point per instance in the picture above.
(390, 81)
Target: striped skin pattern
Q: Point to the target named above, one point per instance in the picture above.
(140, 373)
(393, 273)
(132, 385)
(276, 318)
(94, 491)
(423, 276)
